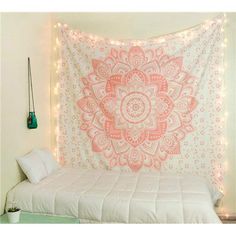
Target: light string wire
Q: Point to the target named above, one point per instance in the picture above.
(187, 33)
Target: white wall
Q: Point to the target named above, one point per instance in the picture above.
(23, 35)
(29, 34)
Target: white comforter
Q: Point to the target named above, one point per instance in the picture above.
(118, 197)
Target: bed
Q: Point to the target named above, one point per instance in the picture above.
(102, 196)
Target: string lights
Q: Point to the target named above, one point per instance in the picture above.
(187, 35)
(223, 213)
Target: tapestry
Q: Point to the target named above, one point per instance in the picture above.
(141, 105)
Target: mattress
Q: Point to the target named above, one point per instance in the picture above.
(101, 196)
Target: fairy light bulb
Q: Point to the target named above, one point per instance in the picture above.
(57, 42)
(55, 151)
(56, 91)
(206, 27)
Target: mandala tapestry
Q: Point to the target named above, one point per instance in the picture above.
(135, 105)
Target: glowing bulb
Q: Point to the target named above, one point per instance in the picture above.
(221, 69)
(56, 130)
(55, 91)
(55, 151)
(223, 45)
(58, 67)
(57, 42)
(137, 42)
(162, 40)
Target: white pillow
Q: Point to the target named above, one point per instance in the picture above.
(48, 160)
(216, 195)
(37, 164)
(32, 166)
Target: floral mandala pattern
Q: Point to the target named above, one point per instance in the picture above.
(137, 107)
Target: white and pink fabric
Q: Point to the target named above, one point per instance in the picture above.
(143, 105)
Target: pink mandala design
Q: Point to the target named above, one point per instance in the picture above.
(137, 107)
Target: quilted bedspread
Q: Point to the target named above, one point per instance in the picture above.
(118, 197)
